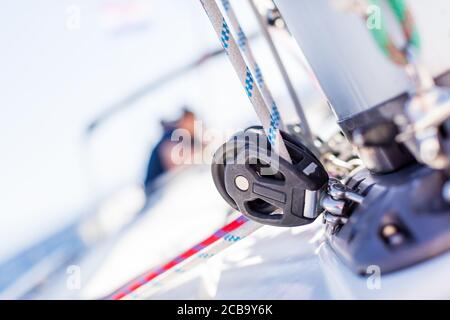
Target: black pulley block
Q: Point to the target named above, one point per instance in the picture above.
(264, 187)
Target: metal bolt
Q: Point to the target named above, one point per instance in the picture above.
(338, 191)
(333, 206)
(392, 234)
(389, 230)
(242, 183)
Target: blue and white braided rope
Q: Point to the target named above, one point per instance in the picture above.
(253, 64)
(259, 95)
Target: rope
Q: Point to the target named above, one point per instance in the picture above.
(268, 115)
(271, 121)
(223, 238)
(385, 41)
(250, 58)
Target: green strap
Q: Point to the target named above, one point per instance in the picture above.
(382, 37)
(400, 10)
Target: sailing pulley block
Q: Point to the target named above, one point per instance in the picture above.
(264, 187)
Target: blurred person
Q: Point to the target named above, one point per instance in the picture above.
(161, 159)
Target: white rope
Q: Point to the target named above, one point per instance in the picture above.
(166, 278)
(249, 56)
(269, 116)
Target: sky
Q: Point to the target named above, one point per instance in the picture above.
(62, 63)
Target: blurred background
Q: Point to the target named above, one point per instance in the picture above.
(66, 181)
